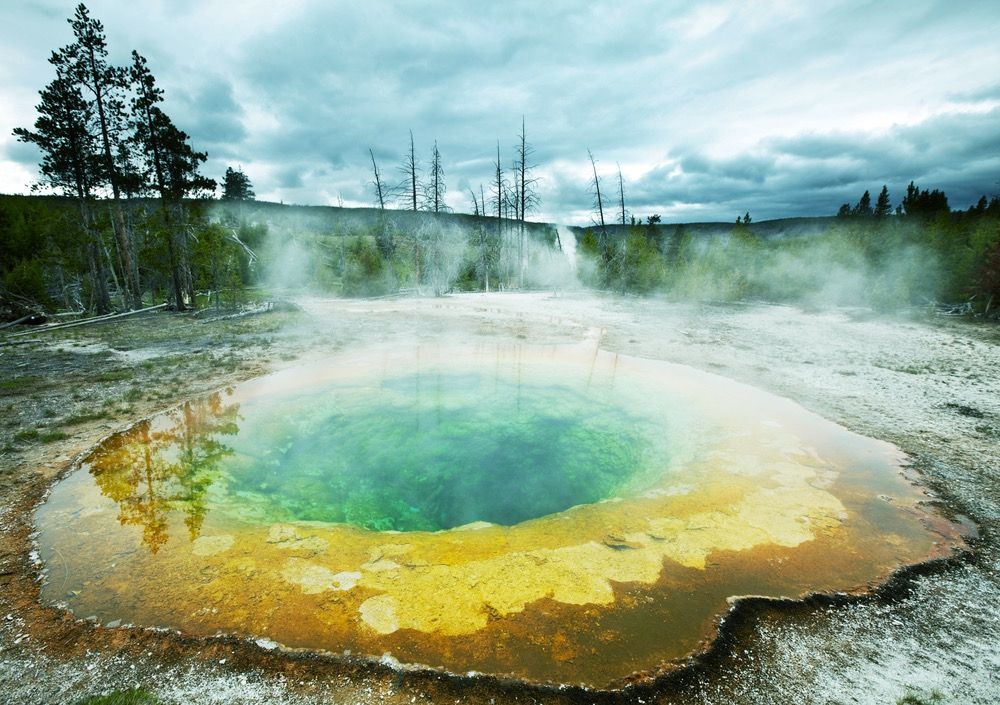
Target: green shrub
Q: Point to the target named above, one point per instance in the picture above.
(27, 280)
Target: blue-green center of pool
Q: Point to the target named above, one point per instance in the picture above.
(426, 452)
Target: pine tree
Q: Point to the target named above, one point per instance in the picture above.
(863, 208)
(171, 170)
(883, 208)
(236, 186)
(70, 166)
(86, 62)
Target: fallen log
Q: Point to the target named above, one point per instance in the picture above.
(266, 308)
(89, 321)
(22, 319)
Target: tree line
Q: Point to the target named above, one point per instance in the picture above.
(917, 252)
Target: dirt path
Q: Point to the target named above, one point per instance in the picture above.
(930, 386)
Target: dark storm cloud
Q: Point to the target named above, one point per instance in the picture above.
(812, 174)
(712, 109)
(210, 112)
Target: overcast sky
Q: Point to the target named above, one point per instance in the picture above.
(710, 108)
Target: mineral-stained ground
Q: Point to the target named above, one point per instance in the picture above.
(927, 384)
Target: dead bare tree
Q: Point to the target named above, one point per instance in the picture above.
(499, 197)
(380, 191)
(526, 191)
(383, 235)
(621, 194)
(435, 188)
(410, 169)
(475, 202)
(410, 188)
(607, 251)
(595, 185)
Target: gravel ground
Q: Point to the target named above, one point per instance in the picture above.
(930, 385)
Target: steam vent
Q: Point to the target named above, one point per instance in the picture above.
(553, 514)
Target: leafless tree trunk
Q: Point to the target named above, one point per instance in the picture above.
(475, 202)
(435, 194)
(596, 185)
(526, 196)
(409, 170)
(621, 193)
(377, 181)
(500, 199)
(126, 248)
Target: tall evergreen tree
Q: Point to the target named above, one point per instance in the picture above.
(883, 208)
(924, 204)
(863, 208)
(86, 61)
(171, 167)
(236, 186)
(71, 165)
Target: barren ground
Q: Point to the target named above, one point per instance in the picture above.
(930, 385)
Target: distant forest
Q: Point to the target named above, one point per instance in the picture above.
(128, 221)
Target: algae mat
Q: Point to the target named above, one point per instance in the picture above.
(554, 514)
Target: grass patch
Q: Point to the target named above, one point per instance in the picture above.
(134, 394)
(113, 375)
(133, 696)
(19, 385)
(28, 434)
(77, 419)
(52, 436)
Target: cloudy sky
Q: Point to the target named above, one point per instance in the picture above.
(710, 108)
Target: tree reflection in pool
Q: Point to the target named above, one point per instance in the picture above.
(553, 514)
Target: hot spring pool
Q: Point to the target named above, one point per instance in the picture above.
(555, 514)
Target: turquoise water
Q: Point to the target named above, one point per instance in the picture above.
(424, 452)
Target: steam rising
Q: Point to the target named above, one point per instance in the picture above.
(359, 252)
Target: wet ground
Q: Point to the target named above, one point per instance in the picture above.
(927, 384)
